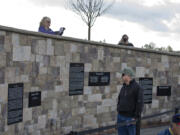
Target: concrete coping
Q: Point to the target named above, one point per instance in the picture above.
(39, 34)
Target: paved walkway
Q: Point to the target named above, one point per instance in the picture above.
(150, 131)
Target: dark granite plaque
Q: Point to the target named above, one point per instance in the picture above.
(76, 79)
(15, 103)
(147, 86)
(99, 78)
(34, 99)
(163, 90)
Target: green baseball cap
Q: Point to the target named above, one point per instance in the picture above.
(128, 71)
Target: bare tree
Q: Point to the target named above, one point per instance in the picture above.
(89, 10)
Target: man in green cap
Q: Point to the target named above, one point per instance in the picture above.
(130, 103)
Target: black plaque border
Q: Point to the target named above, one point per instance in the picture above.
(149, 78)
(168, 94)
(79, 91)
(31, 103)
(99, 77)
(14, 85)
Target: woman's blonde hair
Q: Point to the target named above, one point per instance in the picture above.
(43, 21)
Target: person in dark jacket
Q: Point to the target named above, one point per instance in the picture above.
(175, 127)
(124, 41)
(45, 27)
(130, 103)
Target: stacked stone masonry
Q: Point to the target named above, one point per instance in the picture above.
(41, 62)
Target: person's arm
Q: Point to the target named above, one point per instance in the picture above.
(130, 44)
(120, 43)
(43, 30)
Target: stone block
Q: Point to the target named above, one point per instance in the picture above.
(179, 79)
(116, 59)
(24, 78)
(54, 71)
(87, 90)
(43, 70)
(7, 44)
(50, 47)
(82, 110)
(160, 67)
(95, 65)
(59, 88)
(77, 111)
(148, 61)
(154, 91)
(1, 43)
(90, 121)
(52, 114)
(23, 40)
(59, 50)
(33, 58)
(165, 64)
(37, 132)
(123, 66)
(27, 114)
(44, 94)
(41, 122)
(73, 48)
(115, 96)
(108, 102)
(164, 58)
(119, 87)
(39, 58)
(46, 60)
(41, 47)
(155, 104)
(10, 75)
(107, 89)
(67, 129)
(140, 71)
(30, 128)
(88, 67)
(15, 40)
(113, 108)
(22, 53)
(118, 75)
(129, 52)
(76, 57)
(95, 98)
(2, 33)
(100, 54)
(2, 75)
(102, 109)
(61, 61)
(55, 104)
(3, 93)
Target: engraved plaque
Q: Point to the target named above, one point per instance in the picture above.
(76, 79)
(15, 103)
(99, 78)
(147, 86)
(34, 99)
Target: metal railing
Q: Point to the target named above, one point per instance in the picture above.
(137, 122)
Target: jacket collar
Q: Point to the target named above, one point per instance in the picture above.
(132, 81)
(171, 132)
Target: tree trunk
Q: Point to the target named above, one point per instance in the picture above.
(89, 32)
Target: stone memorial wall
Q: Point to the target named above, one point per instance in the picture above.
(54, 88)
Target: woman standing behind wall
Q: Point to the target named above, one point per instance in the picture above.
(45, 27)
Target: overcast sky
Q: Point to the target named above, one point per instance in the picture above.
(144, 21)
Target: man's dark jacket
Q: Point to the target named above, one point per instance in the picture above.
(130, 100)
